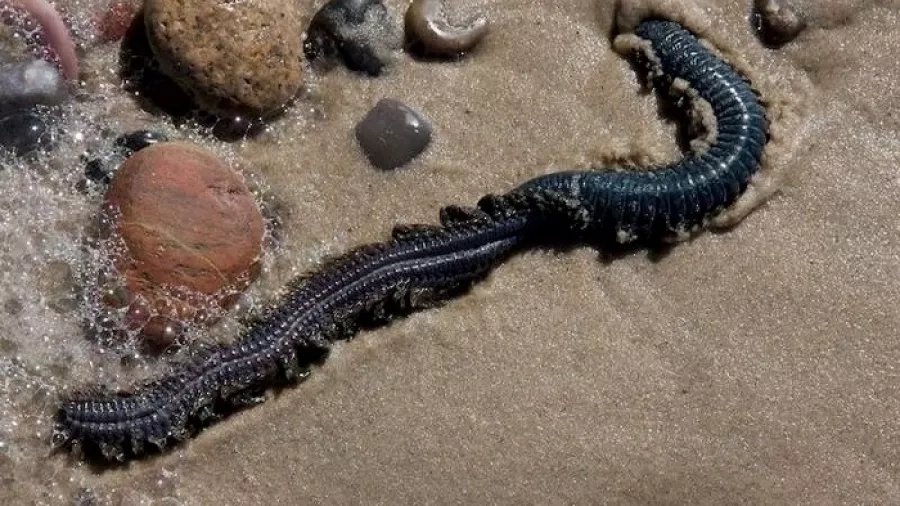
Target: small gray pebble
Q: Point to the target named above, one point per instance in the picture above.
(392, 134)
(361, 33)
(26, 84)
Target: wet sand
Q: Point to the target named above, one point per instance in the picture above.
(756, 365)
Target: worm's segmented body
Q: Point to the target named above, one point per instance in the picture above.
(425, 264)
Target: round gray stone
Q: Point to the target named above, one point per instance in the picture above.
(392, 134)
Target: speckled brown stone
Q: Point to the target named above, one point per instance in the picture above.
(236, 58)
(191, 228)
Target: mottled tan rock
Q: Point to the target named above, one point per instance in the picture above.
(192, 233)
(236, 58)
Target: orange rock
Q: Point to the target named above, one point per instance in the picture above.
(192, 233)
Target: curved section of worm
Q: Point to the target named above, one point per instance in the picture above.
(673, 200)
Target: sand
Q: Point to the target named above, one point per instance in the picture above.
(754, 365)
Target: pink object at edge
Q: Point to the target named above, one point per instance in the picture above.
(55, 32)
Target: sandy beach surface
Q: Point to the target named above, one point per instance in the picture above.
(754, 365)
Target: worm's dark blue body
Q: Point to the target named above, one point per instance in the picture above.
(676, 198)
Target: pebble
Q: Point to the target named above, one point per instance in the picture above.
(430, 33)
(25, 132)
(777, 22)
(191, 229)
(133, 142)
(29, 90)
(100, 171)
(360, 33)
(234, 58)
(97, 171)
(392, 134)
(113, 23)
(30, 83)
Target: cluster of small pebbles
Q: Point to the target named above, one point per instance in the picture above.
(246, 61)
(363, 35)
(183, 231)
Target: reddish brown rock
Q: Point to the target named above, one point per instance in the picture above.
(113, 23)
(192, 234)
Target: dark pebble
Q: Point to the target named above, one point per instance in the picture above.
(361, 33)
(27, 84)
(25, 131)
(236, 128)
(777, 22)
(12, 306)
(133, 142)
(100, 171)
(97, 171)
(392, 134)
(29, 91)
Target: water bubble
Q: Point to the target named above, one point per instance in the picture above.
(137, 316)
